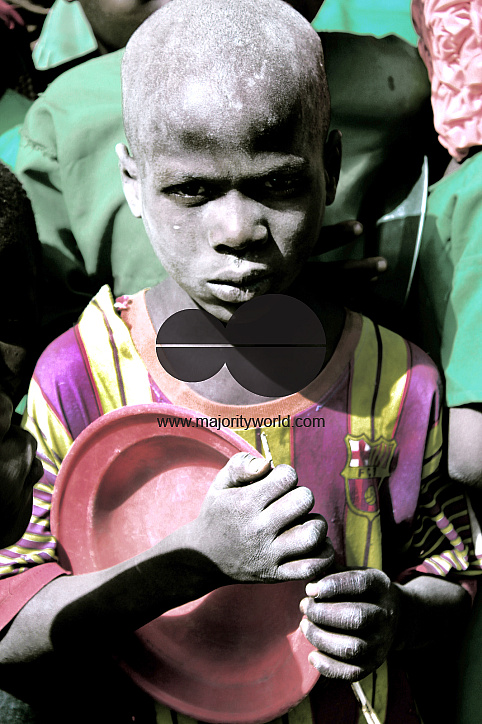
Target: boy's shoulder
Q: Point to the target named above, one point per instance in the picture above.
(393, 356)
(91, 368)
(71, 360)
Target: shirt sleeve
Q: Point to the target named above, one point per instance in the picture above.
(32, 562)
(441, 540)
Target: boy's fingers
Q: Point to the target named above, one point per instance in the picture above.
(240, 469)
(270, 484)
(333, 669)
(370, 264)
(294, 503)
(273, 490)
(348, 584)
(303, 538)
(336, 235)
(338, 645)
(347, 617)
(306, 568)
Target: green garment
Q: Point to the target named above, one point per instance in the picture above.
(375, 17)
(66, 35)
(68, 166)
(13, 108)
(450, 270)
(378, 87)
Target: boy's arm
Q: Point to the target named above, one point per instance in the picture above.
(246, 532)
(355, 617)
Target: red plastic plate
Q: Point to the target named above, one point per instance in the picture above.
(235, 655)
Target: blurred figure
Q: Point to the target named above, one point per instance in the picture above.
(19, 324)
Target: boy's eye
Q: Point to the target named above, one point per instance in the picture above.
(192, 191)
(283, 185)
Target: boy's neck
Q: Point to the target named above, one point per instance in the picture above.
(167, 298)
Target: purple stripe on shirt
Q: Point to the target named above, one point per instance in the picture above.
(33, 545)
(42, 495)
(40, 512)
(66, 382)
(7, 553)
(45, 459)
(38, 529)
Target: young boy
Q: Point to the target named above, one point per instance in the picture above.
(84, 224)
(230, 169)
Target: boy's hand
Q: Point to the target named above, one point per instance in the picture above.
(19, 471)
(254, 524)
(351, 618)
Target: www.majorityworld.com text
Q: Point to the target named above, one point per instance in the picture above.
(241, 422)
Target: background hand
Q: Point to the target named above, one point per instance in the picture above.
(255, 524)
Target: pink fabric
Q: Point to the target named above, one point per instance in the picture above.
(9, 16)
(16, 591)
(450, 44)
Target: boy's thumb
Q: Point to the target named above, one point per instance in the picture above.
(242, 468)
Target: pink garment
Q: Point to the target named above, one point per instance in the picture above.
(451, 47)
(9, 16)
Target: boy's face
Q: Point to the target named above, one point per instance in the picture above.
(232, 211)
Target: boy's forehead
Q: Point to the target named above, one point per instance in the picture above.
(245, 70)
(245, 113)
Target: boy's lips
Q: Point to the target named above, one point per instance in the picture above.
(239, 288)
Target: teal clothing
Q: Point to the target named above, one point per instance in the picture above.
(450, 272)
(13, 108)
(66, 35)
(378, 87)
(68, 166)
(376, 17)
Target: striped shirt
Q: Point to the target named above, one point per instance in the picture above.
(372, 465)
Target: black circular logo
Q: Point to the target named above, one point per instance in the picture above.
(273, 345)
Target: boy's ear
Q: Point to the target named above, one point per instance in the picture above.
(332, 158)
(130, 179)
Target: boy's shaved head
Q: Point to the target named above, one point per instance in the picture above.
(231, 55)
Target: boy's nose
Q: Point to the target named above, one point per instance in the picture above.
(236, 221)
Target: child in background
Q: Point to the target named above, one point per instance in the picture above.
(450, 279)
(19, 322)
(74, 31)
(448, 298)
(230, 168)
